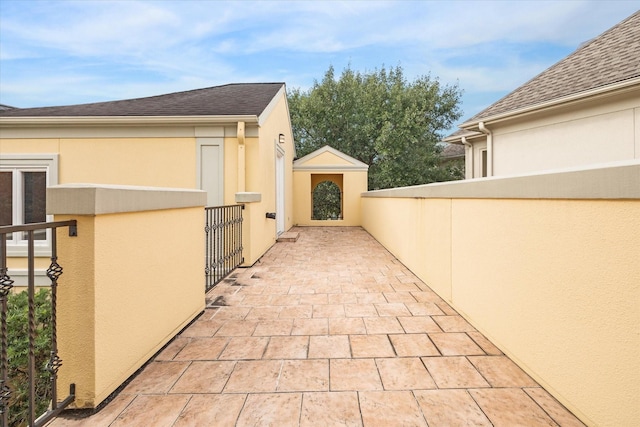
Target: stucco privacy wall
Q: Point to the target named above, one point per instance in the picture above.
(136, 251)
(554, 282)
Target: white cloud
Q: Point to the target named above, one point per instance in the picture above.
(179, 45)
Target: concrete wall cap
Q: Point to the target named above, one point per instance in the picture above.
(98, 199)
(248, 197)
(611, 181)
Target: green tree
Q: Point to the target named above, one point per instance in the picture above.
(18, 354)
(380, 119)
(327, 201)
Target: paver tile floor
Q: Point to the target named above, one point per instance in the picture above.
(329, 330)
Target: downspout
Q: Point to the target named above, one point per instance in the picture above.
(487, 132)
(468, 170)
(242, 180)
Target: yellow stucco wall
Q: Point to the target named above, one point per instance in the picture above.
(259, 232)
(327, 159)
(554, 283)
(416, 231)
(160, 162)
(118, 302)
(76, 315)
(168, 162)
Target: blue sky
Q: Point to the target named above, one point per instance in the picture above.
(71, 52)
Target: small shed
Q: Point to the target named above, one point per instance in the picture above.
(327, 185)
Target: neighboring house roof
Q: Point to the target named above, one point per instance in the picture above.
(241, 99)
(456, 137)
(609, 59)
(452, 151)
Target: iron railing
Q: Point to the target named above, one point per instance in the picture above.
(223, 247)
(6, 284)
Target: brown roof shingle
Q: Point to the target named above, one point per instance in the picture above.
(227, 100)
(612, 57)
(452, 151)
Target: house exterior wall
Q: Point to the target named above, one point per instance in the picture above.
(149, 161)
(168, 156)
(585, 133)
(261, 155)
(553, 281)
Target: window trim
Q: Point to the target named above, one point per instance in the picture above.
(48, 161)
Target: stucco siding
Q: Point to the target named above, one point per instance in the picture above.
(582, 141)
(552, 280)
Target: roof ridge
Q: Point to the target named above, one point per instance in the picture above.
(229, 99)
(581, 49)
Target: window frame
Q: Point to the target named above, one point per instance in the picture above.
(47, 162)
(484, 163)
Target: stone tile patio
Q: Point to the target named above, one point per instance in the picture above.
(329, 330)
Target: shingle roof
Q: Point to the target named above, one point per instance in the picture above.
(612, 57)
(227, 100)
(452, 151)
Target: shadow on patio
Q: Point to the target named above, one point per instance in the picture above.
(329, 330)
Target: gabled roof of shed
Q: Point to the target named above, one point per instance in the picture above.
(226, 100)
(330, 159)
(610, 58)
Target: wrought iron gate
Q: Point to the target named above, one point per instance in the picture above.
(223, 248)
(10, 398)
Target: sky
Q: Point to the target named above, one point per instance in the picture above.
(71, 52)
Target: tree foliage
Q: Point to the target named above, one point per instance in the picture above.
(18, 354)
(327, 201)
(380, 119)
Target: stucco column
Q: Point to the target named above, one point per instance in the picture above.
(119, 301)
(242, 173)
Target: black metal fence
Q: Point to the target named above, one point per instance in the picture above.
(10, 388)
(223, 249)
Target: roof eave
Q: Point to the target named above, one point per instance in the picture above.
(457, 139)
(122, 120)
(623, 85)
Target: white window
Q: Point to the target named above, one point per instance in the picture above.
(23, 183)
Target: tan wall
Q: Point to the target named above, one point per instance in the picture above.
(117, 297)
(417, 232)
(554, 283)
(152, 161)
(160, 162)
(259, 232)
(354, 183)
